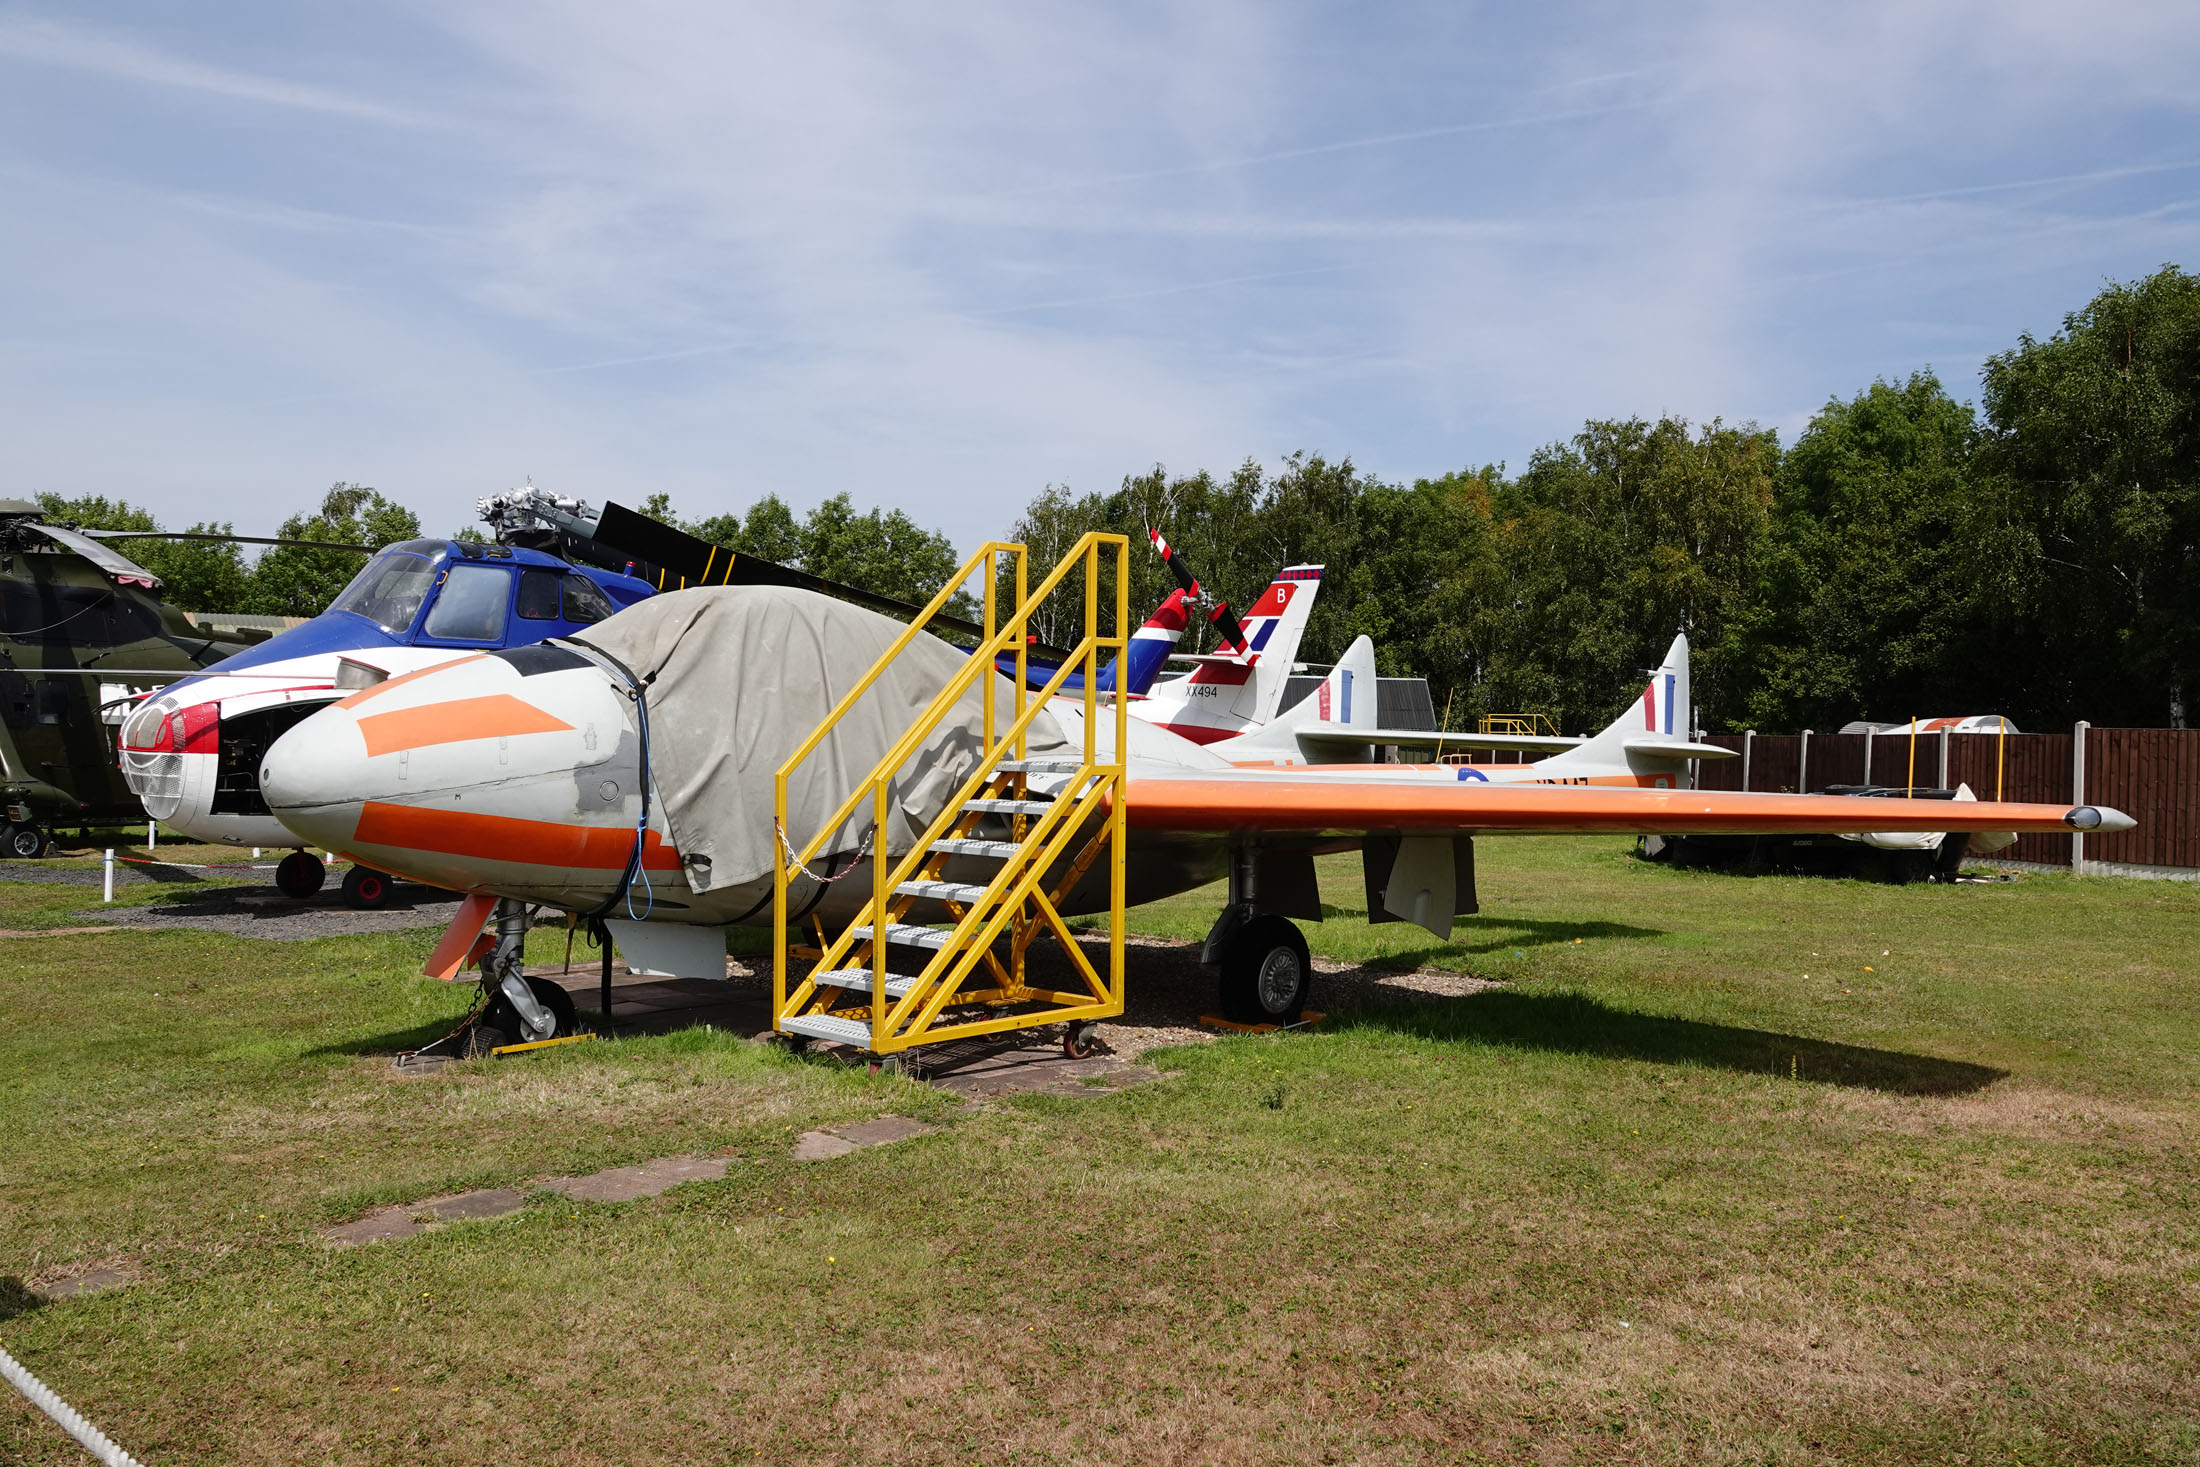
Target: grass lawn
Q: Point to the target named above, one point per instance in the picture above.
(1657, 1196)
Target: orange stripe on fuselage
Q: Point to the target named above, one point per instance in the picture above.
(506, 838)
(376, 690)
(496, 716)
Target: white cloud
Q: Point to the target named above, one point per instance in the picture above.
(939, 257)
(53, 43)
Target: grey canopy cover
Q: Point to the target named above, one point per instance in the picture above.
(739, 676)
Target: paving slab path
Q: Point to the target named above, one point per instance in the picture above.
(832, 1141)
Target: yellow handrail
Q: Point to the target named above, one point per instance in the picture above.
(980, 775)
(1018, 876)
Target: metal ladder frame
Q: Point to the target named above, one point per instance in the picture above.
(896, 1013)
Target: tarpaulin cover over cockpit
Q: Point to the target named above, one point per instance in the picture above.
(738, 676)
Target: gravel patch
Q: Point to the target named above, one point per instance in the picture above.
(50, 875)
(256, 911)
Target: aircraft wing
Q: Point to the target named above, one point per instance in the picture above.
(1339, 736)
(1287, 802)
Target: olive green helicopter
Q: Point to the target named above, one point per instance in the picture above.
(84, 636)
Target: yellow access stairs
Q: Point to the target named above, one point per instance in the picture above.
(1033, 817)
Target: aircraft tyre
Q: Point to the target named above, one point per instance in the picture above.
(1265, 973)
(25, 842)
(502, 1017)
(366, 888)
(300, 874)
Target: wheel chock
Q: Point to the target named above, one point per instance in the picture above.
(504, 1049)
(1307, 1019)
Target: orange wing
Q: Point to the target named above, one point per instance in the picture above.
(1333, 807)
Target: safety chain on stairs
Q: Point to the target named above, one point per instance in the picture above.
(794, 858)
(41, 1395)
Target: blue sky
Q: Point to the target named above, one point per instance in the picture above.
(940, 256)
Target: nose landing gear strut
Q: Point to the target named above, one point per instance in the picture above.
(522, 1010)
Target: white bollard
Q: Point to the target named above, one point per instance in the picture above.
(255, 853)
(107, 867)
(152, 834)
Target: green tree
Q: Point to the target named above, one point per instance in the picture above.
(301, 580)
(1865, 607)
(2088, 533)
(194, 575)
(1614, 542)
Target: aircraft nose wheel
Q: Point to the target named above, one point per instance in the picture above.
(366, 889)
(1265, 973)
(502, 1017)
(300, 874)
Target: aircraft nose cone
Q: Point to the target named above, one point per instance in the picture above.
(314, 778)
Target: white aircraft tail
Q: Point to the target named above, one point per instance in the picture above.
(1346, 699)
(1251, 683)
(1272, 632)
(1655, 729)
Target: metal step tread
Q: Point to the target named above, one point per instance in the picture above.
(825, 1026)
(1009, 807)
(1038, 766)
(908, 934)
(859, 979)
(941, 891)
(998, 849)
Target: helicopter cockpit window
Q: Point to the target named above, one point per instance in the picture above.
(388, 592)
(585, 601)
(470, 607)
(538, 595)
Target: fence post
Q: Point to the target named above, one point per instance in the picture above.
(2077, 793)
(1749, 736)
(1802, 766)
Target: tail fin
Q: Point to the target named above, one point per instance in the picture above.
(1346, 699)
(1273, 629)
(1134, 672)
(1148, 653)
(1663, 713)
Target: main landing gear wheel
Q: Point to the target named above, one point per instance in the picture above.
(1264, 973)
(1082, 1041)
(366, 889)
(25, 842)
(300, 874)
(501, 1016)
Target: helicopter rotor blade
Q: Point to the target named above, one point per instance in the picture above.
(220, 539)
(111, 563)
(1225, 621)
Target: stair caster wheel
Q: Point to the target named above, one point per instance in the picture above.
(1082, 1041)
(893, 1064)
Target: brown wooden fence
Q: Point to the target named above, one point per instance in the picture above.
(2151, 774)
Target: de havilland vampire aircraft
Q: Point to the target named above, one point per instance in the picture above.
(532, 776)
